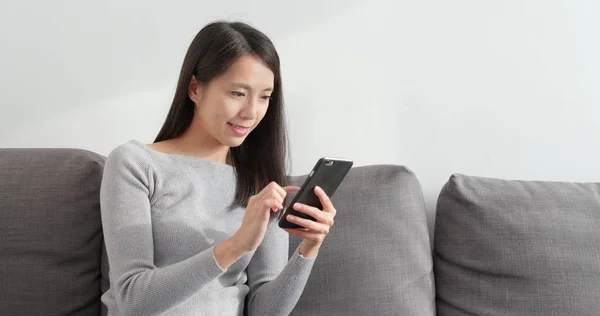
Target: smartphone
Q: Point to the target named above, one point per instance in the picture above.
(328, 173)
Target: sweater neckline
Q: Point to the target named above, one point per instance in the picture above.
(181, 157)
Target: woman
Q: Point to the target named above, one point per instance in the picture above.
(190, 220)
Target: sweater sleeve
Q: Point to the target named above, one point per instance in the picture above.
(275, 282)
(140, 288)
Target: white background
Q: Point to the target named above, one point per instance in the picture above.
(506, 89)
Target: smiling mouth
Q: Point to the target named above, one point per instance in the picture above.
(239, 130)
(239, 126)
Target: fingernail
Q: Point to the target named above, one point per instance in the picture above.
(290, 218)
(297, 206)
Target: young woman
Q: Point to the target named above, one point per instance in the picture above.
(190, 221)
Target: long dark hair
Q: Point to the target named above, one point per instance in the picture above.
(262, 156)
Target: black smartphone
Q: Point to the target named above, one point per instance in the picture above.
(328, 173)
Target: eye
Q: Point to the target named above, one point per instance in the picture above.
(237, 94)
(266, 97)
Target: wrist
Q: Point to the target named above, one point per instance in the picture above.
(309, 249)
(236, 245)
(228, 252)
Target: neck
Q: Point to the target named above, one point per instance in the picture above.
(197, 142)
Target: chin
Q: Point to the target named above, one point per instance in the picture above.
(234, 142)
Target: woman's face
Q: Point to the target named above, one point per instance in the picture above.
(231, 105)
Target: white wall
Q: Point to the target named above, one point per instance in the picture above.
(492, 88)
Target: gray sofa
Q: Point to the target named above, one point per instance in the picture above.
(500, 248)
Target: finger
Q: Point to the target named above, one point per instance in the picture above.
(313, 226)
(318, 238)
(291, 189)
(284, 191)
(273, 204)
(277, 191)
(325, 201)
(320, 216)
(272, 191)
(276, 196)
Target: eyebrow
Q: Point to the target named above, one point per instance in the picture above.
(247, 87)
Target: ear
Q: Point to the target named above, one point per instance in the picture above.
(194, 90)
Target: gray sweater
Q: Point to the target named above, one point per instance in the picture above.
(162, 216)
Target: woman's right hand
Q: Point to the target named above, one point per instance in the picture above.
(254, 225)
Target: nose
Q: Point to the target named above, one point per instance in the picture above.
(249, 110)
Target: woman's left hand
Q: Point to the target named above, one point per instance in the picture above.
(315, 232)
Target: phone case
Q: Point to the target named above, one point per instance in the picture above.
(328, 173)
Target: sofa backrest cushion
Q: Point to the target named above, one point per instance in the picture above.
(517, 247)
(376, 259)
(50, 232)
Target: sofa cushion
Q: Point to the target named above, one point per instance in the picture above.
(517, 247)
(376, 259)
(50, 232)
